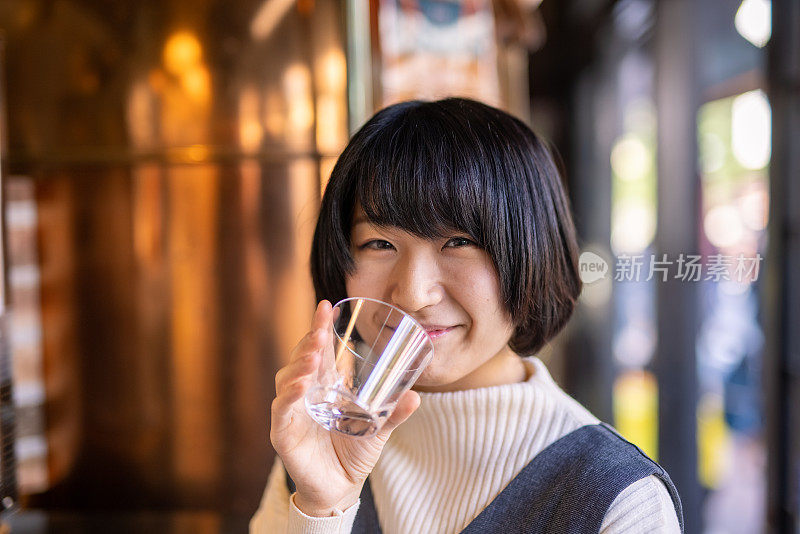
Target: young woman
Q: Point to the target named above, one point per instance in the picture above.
(454, 212)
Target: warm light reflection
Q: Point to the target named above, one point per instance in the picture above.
(274, 116)
(183, 92)
(753, 206)
(330, 119)
(331, 71)
(256, 267)
(633, 226)
(751, 123)
(157, 80)
(183, 59)
(197, 153)
(326, 165)
(713, 440)
(630, 158)
(182, 52)
(25, 334)
(636, 409)
(197, 83)
(754, 21)
(269, 14)
(291, 322)
(147, 216)
(723, 226)
(300, 119)
(149, 222)
(140, 111)
(330, 75)
(633, 185)
(250, 131)
(192, 248)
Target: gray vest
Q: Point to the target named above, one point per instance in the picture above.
(567, 488)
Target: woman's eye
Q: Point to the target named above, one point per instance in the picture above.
(377, 244)
(459, 242)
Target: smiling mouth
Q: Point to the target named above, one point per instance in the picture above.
(439, 332)
(433, 332)
(436, 329)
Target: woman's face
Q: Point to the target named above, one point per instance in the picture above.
(450, 286)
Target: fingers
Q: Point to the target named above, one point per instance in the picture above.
(292, 381)
(313, 340)
(282, 407)
(408, 404)
(303, 360)
(291, 384)
(302, 366)
(291, 394)
(322, 316)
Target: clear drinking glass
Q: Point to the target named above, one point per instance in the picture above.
(377, 353)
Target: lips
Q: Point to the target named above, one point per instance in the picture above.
(436, 331)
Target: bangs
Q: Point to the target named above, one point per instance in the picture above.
(418, 179)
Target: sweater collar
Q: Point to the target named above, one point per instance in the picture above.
(470, 427)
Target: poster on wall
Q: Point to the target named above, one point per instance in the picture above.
(435, 48)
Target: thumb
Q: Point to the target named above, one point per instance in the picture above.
(408, 404)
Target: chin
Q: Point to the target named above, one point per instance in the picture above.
(434, 375)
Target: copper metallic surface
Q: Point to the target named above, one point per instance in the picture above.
(178, 149)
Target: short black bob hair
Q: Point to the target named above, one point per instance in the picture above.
(432, 167)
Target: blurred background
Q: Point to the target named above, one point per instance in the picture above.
(162, 165)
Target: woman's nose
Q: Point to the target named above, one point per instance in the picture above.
(415, 284)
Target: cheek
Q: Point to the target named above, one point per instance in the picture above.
(478, 289)
(366, 282)
(491, 326)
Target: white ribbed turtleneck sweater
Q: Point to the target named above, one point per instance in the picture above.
(456, 453)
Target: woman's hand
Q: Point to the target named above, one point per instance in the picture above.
(328, 468)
